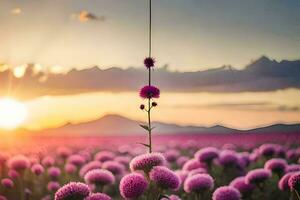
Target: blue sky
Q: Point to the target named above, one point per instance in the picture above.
(188, 35)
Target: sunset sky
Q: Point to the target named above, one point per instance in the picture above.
(188, 36)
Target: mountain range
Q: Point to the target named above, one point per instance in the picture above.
(262, 74)
(119, 125)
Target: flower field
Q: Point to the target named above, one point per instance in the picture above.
(191, 167)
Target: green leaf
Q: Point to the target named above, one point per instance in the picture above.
(145, 127)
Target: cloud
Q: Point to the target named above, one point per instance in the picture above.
(261, 75)
(85, 16)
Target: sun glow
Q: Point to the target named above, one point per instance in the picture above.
(12, 113)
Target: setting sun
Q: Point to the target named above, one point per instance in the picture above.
(12, 113)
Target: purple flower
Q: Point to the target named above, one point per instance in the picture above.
(240, 184)
(171, 155)
(149, 92)
(64, 152)
(164, 178)
(146, 162)
(72, 190)
(182, 160)
(70, 168)
(267, 150)
(7, 183)
(276, 165)
(48, 161)
(294, 181)
(283, 183)
(3, 197)
(207, 154)
(149, 62)
(197, 171)
(257, 176)
(99, 177)
(98, 196)
(37, 169)
(114, 167)
(13, 174)
(193, 164)
(292, 168)
(89, 166)
(54, 172)
(228, 158)
(18, 163)
(76, 160)
(132, 186)
(198, 183)
(125, 160)
(53, 186)
(103, 156)
(226, 193)
(171, 197)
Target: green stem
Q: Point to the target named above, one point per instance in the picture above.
(297, 194)
(149, 126)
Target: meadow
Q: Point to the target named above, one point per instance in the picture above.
(191, 167)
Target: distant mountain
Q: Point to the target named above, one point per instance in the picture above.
(119, 125)
(263, 74)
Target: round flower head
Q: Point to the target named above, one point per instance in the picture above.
(197, 171)
(37, 169)
(292, 168)
(70, 168)
(149, 92)
(283, 184)
(276, 165)
(149, 62)
(63, 152)
(182, 160)
(132, 186)
(89, 166)
(54, 172)
(267, 150)
(171, 197)
(146, 162)
(99, 177)
(13, 174)
(171, 155)
(53, 186)
(98, 196)
(207, 154)
(3, 197)
(7, 183)
(18, 163)
(228, 158)
(76, 160)
(73, 190)
(257, 176)
(244, 159)
(193, 164)
(48, 161)
(226, 193)
(240, 184)
(103, 156)
(164, 178)
(294, 182)
(114, 167)
(198, 183)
